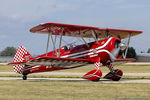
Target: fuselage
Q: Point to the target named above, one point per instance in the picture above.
(105, 49)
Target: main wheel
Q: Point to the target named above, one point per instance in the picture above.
(115, 76)
(96, 80)
(116, 79)
(24, 77)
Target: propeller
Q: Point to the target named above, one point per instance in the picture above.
(122, 46)
(119, 47)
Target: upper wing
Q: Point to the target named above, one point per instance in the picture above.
(78, 30)
(55, 61)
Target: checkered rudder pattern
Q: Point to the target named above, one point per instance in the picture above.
(19, 57)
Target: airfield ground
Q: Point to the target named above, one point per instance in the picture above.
(44, 89)
(72, 90)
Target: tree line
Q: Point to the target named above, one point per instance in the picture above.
(8, 51)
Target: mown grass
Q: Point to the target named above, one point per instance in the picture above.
(134, 68)
(6, 68)
(71, 90)
(74, 90)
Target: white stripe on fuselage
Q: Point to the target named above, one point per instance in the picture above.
(103, 50)
(76, 55)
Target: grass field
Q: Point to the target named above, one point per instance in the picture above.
(6, 68)
(75, 90)
(71, 90)
(124, 67)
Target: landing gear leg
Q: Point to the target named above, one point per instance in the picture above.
(24, 77)
(111, 68)
(114, 75)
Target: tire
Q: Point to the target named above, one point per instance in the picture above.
(117, 72)
(117, 79)
(24, 77)
(96, 80)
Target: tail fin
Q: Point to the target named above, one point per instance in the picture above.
(21, 55)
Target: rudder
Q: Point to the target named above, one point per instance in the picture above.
(21, 55)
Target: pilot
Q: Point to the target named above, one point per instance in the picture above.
(65, 48)
(118, 36)
(70, 46)
(96, 36)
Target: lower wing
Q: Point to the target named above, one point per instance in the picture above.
(54, 61)
(125, 60)
(121, 61)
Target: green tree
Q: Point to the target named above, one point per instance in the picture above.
(8, 51)
(148, 50)
(131, 53)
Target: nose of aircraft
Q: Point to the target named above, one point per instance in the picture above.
(119, 47)
(122, 46)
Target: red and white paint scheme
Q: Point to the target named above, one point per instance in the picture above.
(106, 49)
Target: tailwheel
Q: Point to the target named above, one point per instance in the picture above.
(24, 77)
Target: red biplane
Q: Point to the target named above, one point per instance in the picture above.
(106, 49)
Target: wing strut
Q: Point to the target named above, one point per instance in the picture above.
(129, 36)
(50, 35)
(94, 36)
(84, 41)
(53, 44)
(47, 44)
(60, 40)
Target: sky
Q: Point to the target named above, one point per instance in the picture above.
(18, 16)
